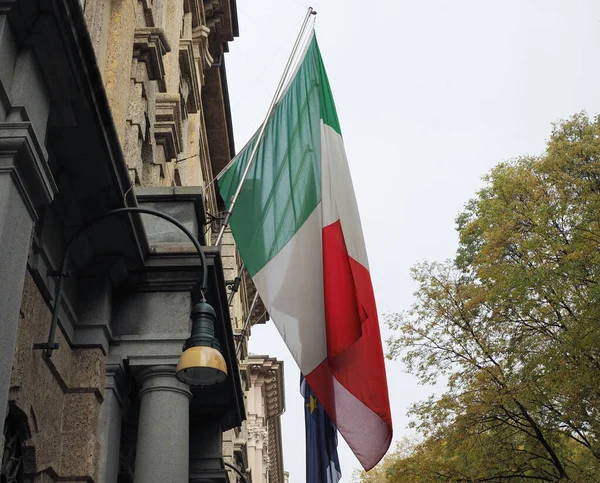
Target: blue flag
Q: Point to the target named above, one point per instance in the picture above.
(322, 463)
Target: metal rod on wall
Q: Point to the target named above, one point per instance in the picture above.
(51, 344)
(236, 284)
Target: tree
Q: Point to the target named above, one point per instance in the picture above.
(513, 324)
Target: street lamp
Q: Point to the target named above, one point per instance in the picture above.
(202, 363)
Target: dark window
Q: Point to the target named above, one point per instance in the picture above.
(12, 458)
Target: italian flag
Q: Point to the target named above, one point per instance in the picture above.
(297, 227)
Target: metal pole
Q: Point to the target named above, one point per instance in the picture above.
(51, 344)
(263, 127)
(236, 284)
(239, 346)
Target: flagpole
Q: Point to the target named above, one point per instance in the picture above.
(286, 70)
(236, 284)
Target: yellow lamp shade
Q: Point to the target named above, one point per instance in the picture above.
(201, 366)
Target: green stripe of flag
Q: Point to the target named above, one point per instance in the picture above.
(283, 186)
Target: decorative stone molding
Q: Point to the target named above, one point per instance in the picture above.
(213, 11)
(266, 460)
(189, 87)
(258, 436)
(149, 46)
(196, 8)
(268, 372)
(167, 129)
(200, 38)
(116, 379)
(275, 451)
(24, 159)
(162, 378)
(210, 6)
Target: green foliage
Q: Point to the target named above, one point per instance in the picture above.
(512, 323)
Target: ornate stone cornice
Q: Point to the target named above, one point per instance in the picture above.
(268, 372)
(275, 451)
(149, 46)
(219, 16)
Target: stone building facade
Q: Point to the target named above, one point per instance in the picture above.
(106, 104)
(265, 405)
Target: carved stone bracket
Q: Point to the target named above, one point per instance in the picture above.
(187, 64)
(266, 460)
(149, 46)
(200, 38)
(167, 129)
(196, 8)
(212, 8)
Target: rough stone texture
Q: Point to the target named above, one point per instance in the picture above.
(116, 73)
(79, 456)
(172, 27)
(34, 386)
(89, 368)
(155, 315)
(44, 477)
(97, 17)
(80, 412)
(60, 396)
(184, 59)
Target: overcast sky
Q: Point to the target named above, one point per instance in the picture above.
(431, 94)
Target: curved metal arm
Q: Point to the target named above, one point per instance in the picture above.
(51, 345)
(229, 465)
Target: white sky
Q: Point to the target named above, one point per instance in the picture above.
(431, 94)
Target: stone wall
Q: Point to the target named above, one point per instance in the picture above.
(152, 55)
(60, 397)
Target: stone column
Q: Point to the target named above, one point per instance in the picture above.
(162, 452)
(15, 233)
(109, 426)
